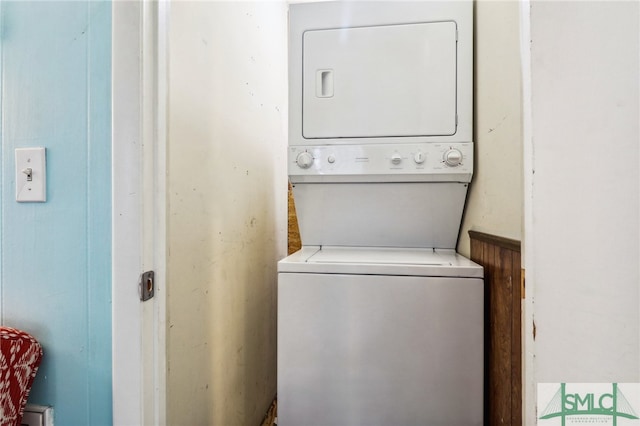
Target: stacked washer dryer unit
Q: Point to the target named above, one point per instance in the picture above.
(380, 322)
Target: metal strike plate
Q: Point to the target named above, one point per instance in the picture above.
(147, 286)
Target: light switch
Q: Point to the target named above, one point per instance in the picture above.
(31, 175)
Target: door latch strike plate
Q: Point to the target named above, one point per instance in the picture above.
(147, 285)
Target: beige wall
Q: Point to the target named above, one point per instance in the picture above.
(227, 208)
(227, 192)
(494, 203)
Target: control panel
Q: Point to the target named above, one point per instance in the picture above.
(422, 161)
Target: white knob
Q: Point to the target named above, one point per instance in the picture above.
(453, 157)
(419, 157)
(396, 158)
(304, 160)
(331, 158)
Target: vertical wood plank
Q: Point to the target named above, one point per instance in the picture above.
(496, 397)
(477, 251)
(501, 334)
(516, 341)
(293, 241)
(503, 365)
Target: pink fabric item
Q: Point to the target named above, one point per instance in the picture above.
(20, 356)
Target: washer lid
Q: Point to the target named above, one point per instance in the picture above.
(426, 262)
(378, 255)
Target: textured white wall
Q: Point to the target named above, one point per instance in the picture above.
(494, 202)
(227, 208)
(582, 195)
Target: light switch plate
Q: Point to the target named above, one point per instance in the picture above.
(31, 175)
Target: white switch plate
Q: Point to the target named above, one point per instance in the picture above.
(34, 190)
(37, 415)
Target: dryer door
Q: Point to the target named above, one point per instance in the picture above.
(380, 81)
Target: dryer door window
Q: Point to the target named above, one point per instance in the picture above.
(380, 81)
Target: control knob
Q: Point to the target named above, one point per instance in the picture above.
(304, 160)
(396, 158)
(453, 157)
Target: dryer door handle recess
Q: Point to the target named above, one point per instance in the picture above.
(324, 83)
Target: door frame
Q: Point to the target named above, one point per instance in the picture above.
(139, 93)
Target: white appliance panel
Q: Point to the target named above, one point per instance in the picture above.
(380, 81)
(377, 255)
(379, 350)
(371, 72)
(418, 162)
(380, 214)
(417, 262)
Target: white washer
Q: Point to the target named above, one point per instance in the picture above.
(379, 336)
(380, 322)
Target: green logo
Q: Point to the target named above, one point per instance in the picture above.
(588, 404)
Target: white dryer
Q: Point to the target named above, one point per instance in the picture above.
(380, 322)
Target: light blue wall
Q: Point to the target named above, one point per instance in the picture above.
(55, 257)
